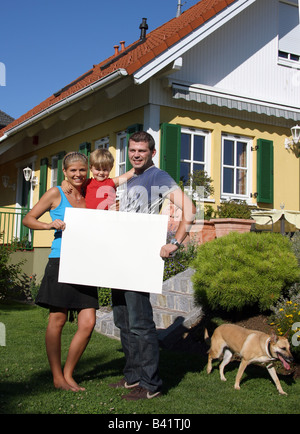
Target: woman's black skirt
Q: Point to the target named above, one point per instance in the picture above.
(64, 295)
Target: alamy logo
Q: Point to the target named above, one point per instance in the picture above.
(2, 74)
(2, 335)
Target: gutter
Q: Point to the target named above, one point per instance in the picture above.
(66, 101)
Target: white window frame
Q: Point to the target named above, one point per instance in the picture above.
(102, 143)
(53, 178)
(121, 159)
(207, 148)
(288, 51)
(237, 138)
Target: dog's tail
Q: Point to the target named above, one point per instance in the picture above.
(207, 339)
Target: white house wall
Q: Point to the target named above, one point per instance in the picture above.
(242, 57)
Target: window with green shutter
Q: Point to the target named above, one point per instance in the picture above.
(60, 173)
(170, 150)
(43, 176)
(85, 148)
(265, 171)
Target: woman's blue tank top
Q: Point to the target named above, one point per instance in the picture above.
(58, 213)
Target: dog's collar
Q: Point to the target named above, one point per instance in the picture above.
(268, 348)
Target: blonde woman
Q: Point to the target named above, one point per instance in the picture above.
(60, 298)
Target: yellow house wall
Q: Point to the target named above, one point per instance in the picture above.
(286, 164)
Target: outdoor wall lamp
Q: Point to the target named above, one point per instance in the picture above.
(295, 140)
(6, 184)
(28, 175)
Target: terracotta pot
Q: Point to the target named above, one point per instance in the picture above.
(202, 231)
(224, 226)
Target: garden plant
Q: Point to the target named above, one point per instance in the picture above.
(239, 271)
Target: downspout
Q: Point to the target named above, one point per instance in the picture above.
(68, 100)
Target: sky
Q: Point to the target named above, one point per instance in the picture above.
(46, 44)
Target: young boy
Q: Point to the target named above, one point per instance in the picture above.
(100, 191)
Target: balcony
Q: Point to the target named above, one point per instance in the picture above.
(12, 230)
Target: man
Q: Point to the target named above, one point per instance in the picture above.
(132, 310)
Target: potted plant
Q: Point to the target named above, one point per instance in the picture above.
(233, 216)
(200, 187)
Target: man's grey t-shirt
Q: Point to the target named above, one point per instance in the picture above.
(146, 192)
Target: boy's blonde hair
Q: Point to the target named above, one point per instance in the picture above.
(102, 158)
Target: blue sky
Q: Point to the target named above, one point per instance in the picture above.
(46, 44)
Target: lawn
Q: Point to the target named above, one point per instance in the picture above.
(26, 384)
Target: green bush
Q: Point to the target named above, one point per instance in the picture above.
(234, 209)
(9, 272)
(104, 296)
(243, 270)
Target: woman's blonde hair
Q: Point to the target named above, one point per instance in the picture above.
(71, 157)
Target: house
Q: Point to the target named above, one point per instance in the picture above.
(218, 87)
(5, 119)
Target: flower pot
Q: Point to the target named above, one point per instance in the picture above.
(202, 231)
(224, 226)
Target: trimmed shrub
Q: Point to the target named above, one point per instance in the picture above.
(234, 209)
(243, 270)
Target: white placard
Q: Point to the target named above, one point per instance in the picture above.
(112, 249)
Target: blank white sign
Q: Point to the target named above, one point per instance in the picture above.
(112, 249)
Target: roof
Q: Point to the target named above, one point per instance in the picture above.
(136, 55)
(5, 119)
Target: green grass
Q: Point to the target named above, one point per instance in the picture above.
(26, 383)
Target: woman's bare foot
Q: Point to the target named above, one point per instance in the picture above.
(64, 385)
(73, 385)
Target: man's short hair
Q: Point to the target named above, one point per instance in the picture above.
(142, 136)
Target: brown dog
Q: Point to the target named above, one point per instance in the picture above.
(252, 346)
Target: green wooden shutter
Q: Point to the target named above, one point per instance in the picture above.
(130, 130)
(265, 171)
(60, 173)
(43, 176)
(85, 148)
(170, 150)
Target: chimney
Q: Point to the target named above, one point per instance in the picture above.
(122, 45)
(144, 28)
(179, 5)
(116, 47)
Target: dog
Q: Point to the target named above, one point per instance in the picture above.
(252, 346)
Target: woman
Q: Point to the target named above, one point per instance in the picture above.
(62, 297)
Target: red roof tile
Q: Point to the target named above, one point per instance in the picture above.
(137, 54)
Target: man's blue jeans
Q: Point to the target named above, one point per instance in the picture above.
(133, 315)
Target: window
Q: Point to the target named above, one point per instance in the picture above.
(54, 161)
(57, 174)
(121, 153)
(43, 176)
(194, 153)
(236, 167)
(289, 32)
(102, 143)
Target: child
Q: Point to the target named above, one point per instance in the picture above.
(100, 191)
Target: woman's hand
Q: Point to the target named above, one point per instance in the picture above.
(57, 224)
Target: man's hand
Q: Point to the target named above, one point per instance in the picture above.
(167, 250)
